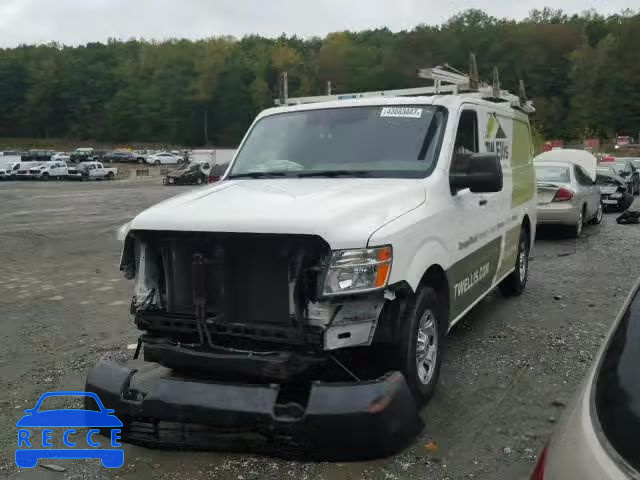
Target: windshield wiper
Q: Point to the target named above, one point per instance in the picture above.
(335, 173)
(258, 175)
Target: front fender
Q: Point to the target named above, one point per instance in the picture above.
(431, 252)
(415, 246)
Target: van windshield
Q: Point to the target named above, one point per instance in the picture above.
(379, 141)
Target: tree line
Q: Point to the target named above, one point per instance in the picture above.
(582, 71)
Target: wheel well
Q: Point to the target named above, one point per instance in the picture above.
(436, 278)
(526, 223)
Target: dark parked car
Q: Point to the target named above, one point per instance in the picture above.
(120, 156)
(614, 190)
(37, 155)
(627, 170)
(86, 156)
(189, 174)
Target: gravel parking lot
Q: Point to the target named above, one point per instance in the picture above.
(511, 367)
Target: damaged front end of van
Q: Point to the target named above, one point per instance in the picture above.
(253, 342)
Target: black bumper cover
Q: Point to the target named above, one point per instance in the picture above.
(341, 421)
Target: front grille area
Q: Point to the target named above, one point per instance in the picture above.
(233, 285)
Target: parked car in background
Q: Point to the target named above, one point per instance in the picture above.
(629, 172)
(163, 158)
(216, 157)
(194, 173)
(141, 155)
(61, 156)
(121, 156)
(36, 155)
(635, 161)
(86, 154)
(217, 172)
(23, 170)
(7, 169)
(567, 190)
(614, 190)
(49, 170)
(599, 436)
(91, 171)
(10, 153)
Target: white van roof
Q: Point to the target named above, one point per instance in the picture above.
(577, 157)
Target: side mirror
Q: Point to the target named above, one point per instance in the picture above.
(479, 172)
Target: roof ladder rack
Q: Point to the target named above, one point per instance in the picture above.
(446, 80)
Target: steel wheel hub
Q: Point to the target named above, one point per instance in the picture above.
(427, 347)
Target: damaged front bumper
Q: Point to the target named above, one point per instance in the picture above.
(337, 421)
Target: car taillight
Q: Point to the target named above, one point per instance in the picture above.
(563, 194)
(538, 472)
(213, 178)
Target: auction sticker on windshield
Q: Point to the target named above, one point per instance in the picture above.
(40, 428)
(401, 112)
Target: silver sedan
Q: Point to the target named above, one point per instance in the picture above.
(567, 196)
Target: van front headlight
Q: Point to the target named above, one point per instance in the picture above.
(361, 270)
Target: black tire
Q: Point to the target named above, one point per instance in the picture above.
(157, 162)
(576, 230)
(597, 220)
(110, 176)
(424, 305)
(515, 283)
(140, 160)
(199, 181)
(45, 176)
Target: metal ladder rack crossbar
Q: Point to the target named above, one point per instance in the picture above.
(445, 82)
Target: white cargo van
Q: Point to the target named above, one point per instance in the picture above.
(346, 221)
(323, 272)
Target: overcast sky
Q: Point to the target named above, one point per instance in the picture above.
(81, 21)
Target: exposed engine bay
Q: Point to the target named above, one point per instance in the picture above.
(242, 304)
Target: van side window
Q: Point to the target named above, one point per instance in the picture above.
(467, 135)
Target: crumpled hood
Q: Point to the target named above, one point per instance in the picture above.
(176, 173)
(345, 212)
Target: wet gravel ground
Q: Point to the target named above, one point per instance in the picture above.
(511, 366)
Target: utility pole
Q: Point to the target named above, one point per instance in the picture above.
(206, 126)
(284, 88)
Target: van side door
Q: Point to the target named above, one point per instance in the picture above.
(477, 244)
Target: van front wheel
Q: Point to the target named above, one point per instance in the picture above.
(421, 343)
(515, 283)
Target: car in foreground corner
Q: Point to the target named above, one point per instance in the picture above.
(599, 436)
(567, 190)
